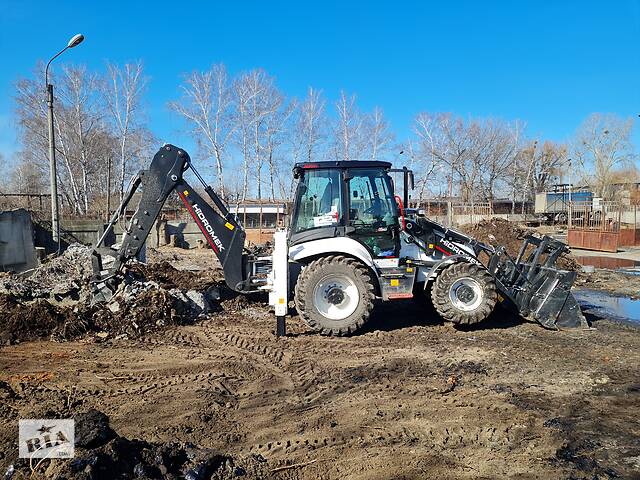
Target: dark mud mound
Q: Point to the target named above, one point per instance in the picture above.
(498, 231)
(20, 322)
(54, 301)
(167, 276)
(504, 233)
(102, 454)
(146, 312)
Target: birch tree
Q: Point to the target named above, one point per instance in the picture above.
(428, 151)
(308, 129)
(82, 139)
(276, 123)
(348, 144)
(123, 94)
(377, 134)
(207, 105)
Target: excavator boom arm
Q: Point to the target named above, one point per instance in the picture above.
(221, 229)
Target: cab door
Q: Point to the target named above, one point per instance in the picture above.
(373, 211)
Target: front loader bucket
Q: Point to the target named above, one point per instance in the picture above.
(553, 305)
(539, 291)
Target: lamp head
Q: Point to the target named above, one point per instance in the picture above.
(75, 40)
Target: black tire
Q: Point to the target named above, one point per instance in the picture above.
(320, 269)
(442, 291)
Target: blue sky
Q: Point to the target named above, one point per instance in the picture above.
(549, 63)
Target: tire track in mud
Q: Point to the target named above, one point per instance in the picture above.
(248, 343)
(435, 438)
(148, 384)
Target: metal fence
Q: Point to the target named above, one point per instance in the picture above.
(604, 226)
(604, 217)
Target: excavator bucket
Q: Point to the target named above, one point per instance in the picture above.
(540, 291)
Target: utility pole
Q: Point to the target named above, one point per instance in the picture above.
(569, 212)
(55, 215)
(108, 189)
(449, 201)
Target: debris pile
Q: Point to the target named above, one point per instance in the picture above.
(55, 300)
(103, 454)
(63, 276)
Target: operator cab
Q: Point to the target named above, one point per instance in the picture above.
(347, 198)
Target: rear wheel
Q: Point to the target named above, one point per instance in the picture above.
(464, 293)
(334, 295)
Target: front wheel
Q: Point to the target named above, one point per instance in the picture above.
(334, 295)
(464, 293)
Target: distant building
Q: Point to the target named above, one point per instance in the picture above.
(261, 214)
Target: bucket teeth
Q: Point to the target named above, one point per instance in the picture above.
(101, 294)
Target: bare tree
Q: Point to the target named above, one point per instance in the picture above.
(251, 91)
(261, 120)
(308, 129)
(377, 134)
(27, 176)
(207, 104)
(123, 93)
(602, 146)
(81, 134)
(276, 123)
(84, 132)
(500, 143)
(429, 140)
(348, 144)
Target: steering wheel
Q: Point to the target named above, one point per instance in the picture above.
(375, 208)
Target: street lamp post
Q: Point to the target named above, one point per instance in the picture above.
(570, 209)
(55, 218)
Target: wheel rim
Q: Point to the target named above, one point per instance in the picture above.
(466, 294)
(336, 296)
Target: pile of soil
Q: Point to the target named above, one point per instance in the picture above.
(497, 231)
(151, 310)
(167, 276)
(103, 454)
(55, 300)
(26, 322)
(501, 232)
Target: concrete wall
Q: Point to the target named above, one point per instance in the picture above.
(17, 251)
(83, 231)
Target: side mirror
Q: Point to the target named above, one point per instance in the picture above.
(411, 179)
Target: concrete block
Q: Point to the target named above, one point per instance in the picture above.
(17, 250)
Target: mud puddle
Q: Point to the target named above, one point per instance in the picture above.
(622, 265)
(604, 305)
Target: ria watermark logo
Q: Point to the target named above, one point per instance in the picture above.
(46, 438)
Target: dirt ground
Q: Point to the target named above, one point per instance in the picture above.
(407, 398)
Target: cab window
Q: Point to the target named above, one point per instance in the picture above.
(371, 203)
(319, 200)
(373, 211)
